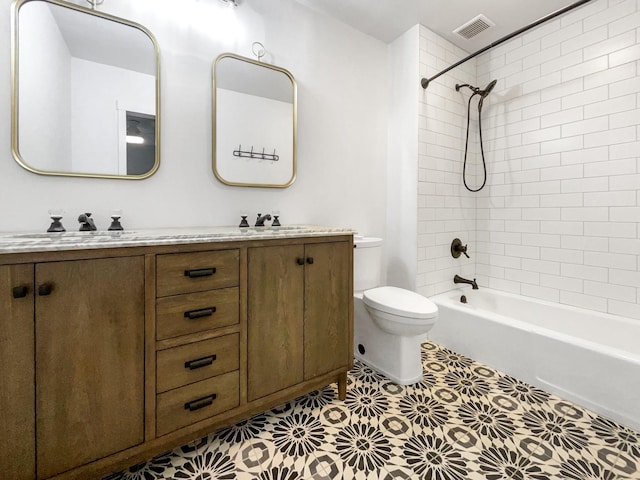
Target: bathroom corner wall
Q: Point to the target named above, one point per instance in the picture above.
(560, 217)
(342, 78)
(445, 209)
(402, 162)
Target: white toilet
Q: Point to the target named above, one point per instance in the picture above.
(390, 323)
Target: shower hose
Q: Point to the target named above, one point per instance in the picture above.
(466, 145)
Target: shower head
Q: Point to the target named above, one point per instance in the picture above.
(476, 90)
(488, 89)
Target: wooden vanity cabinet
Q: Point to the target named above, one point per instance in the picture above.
(275, 324)
(298, 327)
(17, 412)
(111, 356)
(89, 341)
(198, 352)
(71, 363)
(327, 304)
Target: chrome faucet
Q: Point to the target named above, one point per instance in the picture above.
(86, 223)
(261, 218)
(459, 279)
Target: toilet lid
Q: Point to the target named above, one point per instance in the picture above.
(401, 302)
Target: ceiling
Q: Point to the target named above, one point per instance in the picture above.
(92, 38)
(388, 19)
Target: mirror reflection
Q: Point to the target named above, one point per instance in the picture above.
(86, 92)
(254, 127)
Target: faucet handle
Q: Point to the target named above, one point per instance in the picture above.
(56, 224)
(115, 223)
(457, 248)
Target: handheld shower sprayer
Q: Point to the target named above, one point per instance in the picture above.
(483, 94)
(476, 91)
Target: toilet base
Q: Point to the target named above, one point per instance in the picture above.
(397, 358)
(390, 376)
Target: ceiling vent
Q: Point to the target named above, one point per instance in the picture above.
(473, 27)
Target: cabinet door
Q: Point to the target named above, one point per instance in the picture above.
(275, 316)
(17, 432)
(89, 360)
(327, 307)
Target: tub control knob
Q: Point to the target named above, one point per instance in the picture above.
(457, 248)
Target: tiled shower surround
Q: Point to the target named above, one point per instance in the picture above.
(559, 218)
(465, 421)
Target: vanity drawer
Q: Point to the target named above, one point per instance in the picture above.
(179, 273)
(193, 362)
(190, 404)
(196, 312)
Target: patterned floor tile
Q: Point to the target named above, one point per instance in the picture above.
(464, 421)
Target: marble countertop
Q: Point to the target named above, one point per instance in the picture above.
(24, 242)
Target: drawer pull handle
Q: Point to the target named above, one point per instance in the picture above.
(20, 292)
(204, 312)
(200, 272)
(45, 289)
(199, 362)
(300, 261)
(310, 260)
(200, 403)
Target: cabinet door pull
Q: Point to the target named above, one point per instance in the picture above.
(200, 272)
(45, 289)
(200, 403)
(300, 261)
(199, 362)
(310, 260)
(20, 292)
(204, 312)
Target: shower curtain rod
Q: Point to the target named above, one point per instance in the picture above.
(425, 81)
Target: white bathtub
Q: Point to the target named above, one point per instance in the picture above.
(590, 358)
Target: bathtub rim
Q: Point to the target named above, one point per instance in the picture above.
(617, 352)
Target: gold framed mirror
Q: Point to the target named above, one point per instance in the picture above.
(85, 92)
(254, 123)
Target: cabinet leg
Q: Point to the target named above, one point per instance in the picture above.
(342, 386)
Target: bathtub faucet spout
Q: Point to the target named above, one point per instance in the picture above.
(459, 279)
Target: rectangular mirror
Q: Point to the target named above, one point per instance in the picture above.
(254, 123)
(86, 89)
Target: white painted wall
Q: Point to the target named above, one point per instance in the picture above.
(45, 94)
(98, 91)
(342, 78)
(402, 157)
(253, 122)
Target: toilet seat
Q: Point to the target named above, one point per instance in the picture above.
(400, 302)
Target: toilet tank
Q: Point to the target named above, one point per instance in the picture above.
(367, 263)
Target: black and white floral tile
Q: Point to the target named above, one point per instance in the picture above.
(465, 421)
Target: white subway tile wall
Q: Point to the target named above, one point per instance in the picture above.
(560, 216)
(445, 209)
